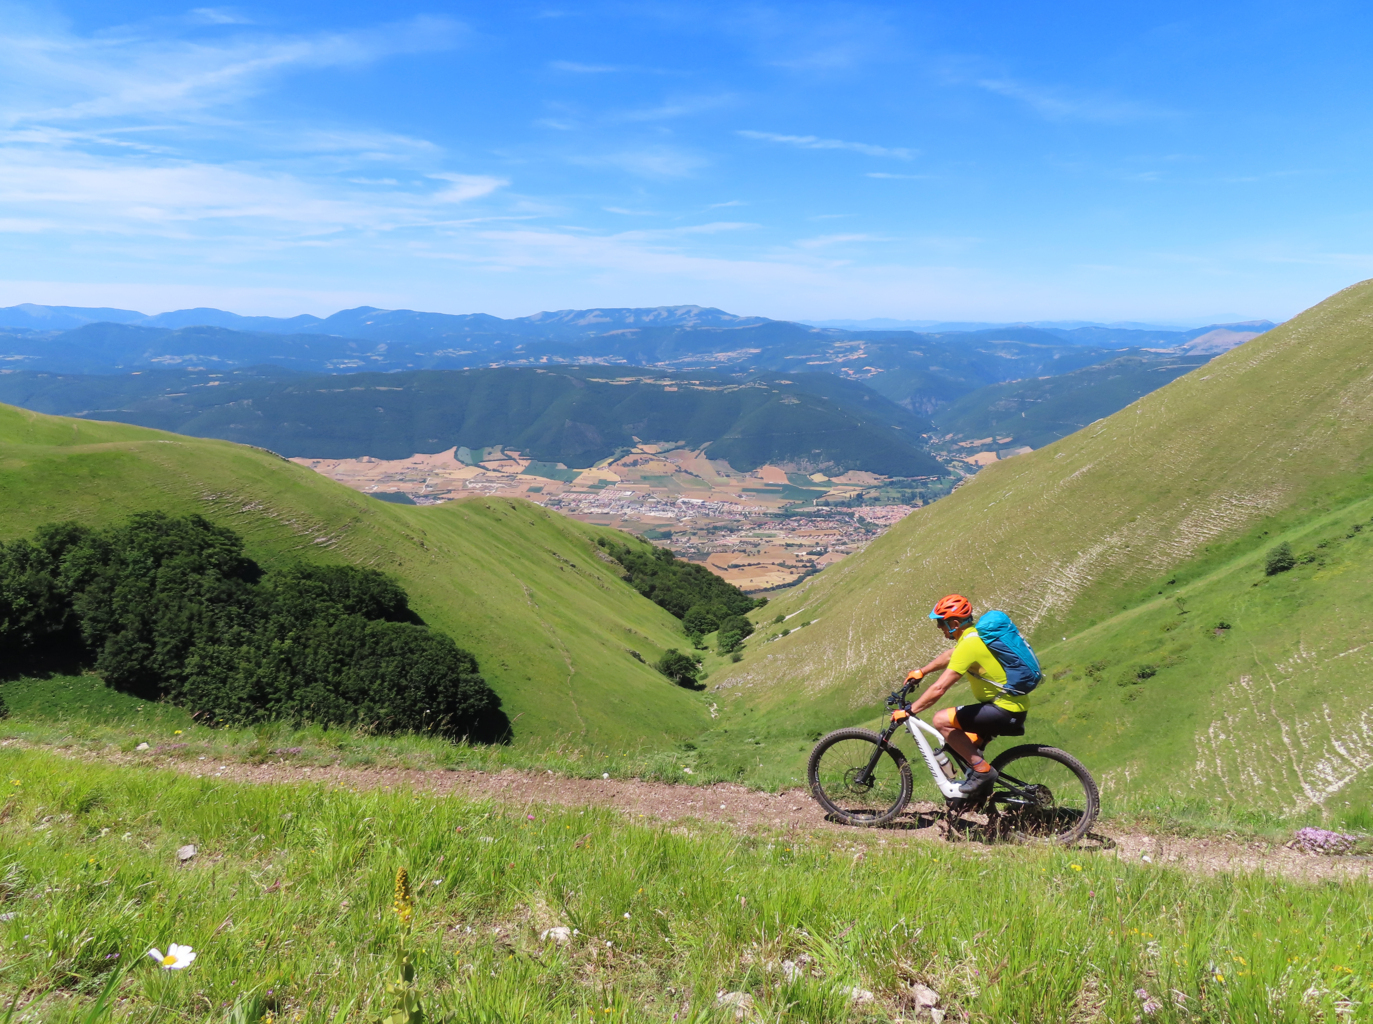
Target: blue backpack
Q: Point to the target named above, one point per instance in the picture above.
(1011, 649)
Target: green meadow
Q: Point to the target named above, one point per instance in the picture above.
(288, 903)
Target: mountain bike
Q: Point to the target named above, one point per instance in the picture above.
(1042, 793)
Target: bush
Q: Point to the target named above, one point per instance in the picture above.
(737, 624)
(729, 642)
(170, 608)
(1137, 674)
(1280, 559)
(680, 668)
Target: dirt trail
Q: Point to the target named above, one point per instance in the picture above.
(745, 808)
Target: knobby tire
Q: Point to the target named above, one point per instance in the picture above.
(835, 764)
(1064, 812)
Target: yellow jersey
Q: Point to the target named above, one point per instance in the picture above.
(972, 658)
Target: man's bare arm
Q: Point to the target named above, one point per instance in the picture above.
(937, 689)
(941, 660)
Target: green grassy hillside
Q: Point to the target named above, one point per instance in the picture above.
(522, 588)
(1125, 546)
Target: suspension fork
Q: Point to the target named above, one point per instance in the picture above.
(884, 736)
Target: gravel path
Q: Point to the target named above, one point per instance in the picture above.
(744, 808)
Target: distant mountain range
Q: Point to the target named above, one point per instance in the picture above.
(886, 324)
(920, 370)
(576, 416)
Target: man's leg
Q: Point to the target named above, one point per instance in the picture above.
(946, 721)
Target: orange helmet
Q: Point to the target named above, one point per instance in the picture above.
(955, 606)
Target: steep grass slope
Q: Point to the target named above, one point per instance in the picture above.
(551, 625)
(1091, 542)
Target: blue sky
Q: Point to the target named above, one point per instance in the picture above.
(1147, 161)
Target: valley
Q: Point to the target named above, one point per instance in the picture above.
(759, 530)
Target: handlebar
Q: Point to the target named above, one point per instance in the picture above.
(897, 698)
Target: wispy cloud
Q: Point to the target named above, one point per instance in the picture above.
(684, 107)
(90, 194)
(63, 77)
(715, 227)
(655, 162)
(814, 142)
(582, 69)
(823, 241)
(1062, 105)
(463, 187)
(219, 16)
(898, 177)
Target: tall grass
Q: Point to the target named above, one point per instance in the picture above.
(288, 902)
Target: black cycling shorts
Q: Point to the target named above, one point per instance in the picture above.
(988, 720)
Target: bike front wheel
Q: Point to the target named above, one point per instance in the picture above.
(859, 779)
(1044, 794)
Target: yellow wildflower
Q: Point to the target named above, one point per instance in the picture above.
(404, 902)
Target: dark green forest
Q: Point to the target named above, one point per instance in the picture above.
(703, 601)
(169, 608)
(1039, 411)
(571, 416)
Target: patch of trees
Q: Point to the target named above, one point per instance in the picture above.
(682, 669)
(703, 601)
(170, 608)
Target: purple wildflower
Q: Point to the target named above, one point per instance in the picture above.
(1320, 840)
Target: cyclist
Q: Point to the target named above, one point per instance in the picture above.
(969, 727)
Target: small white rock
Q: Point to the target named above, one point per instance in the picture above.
(605, 775)
(559, 935)
(186, 853)
(936, 1015)
(860, 995)
(141, 746)
(740, 1002)
(790, 971)
(923, 996)
(10, 916)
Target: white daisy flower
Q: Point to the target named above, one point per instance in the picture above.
(177, 957)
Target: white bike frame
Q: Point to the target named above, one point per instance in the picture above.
(919, 730)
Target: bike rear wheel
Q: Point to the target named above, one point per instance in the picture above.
(841, 783)
(1044, 794)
